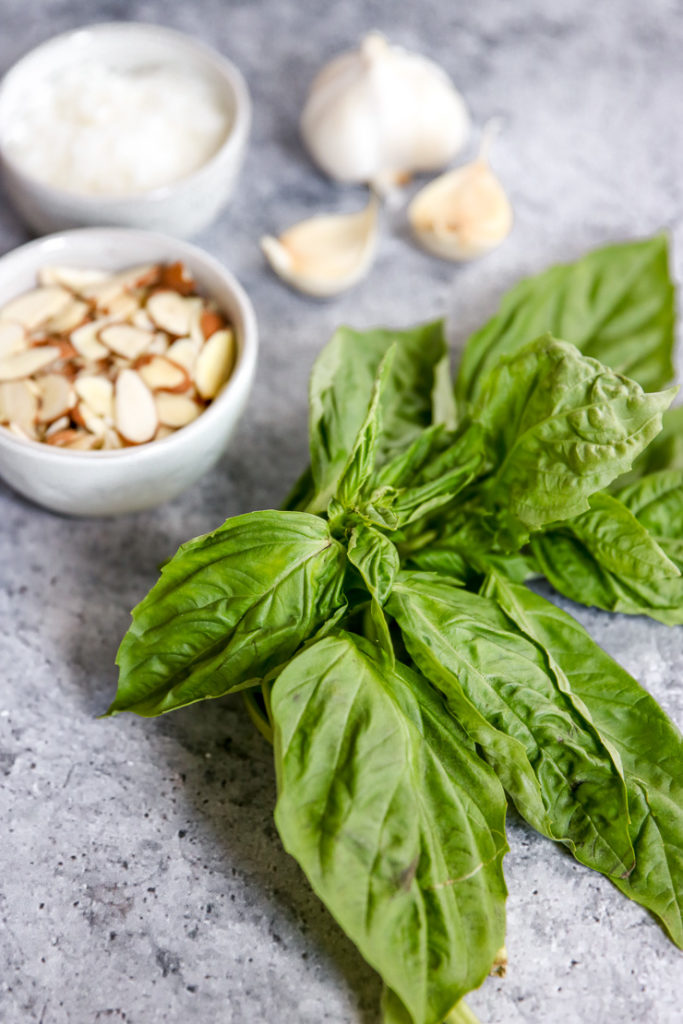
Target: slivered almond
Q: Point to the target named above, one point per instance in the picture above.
(97, 392)
(176, 410)
(56, 397)
(126, 340)
(23, 364)
(135, 413)
(140, 318)
(171, 311)
(210, 322)
(215, 363)
(61, 424)
(33, 308)
(162, 375)
(178, 278)
(184, 352)
(73, 278)
(18, 403)
(72, 316)
(85, 340)
(12, 338)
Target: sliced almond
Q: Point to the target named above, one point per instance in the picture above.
(135, 412)
(23, 364)
(85, 340)
(56, 397)
(184, 352)
(178, 278)
(111, 440)
(126, 340)
(172, 312)
(163, 432)
(144, 276)
(72, 316)
(141, 318)
(176, 410)
(18, 403)
(62, 438)
(89, 419)
(85, 442)
(97, 392)
(73, 278)
(12, 338)
(35, 307)
(162, 375)
(159, 344)
(103, 292)
(123, 306)
(210, 321)
(61, 424)
(215, 363)
(27, 431)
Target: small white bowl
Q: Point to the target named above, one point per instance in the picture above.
(183, 208)
(103, 483)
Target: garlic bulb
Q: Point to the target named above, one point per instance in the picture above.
(379, 114)
(326, 254)
(462, 214)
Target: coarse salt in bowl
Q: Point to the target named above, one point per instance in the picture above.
(123, 124)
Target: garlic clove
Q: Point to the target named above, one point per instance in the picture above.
(327, 254)
(380, 113)
(462, 214)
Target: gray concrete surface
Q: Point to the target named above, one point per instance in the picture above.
(141, 878)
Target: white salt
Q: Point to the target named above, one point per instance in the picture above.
(94, 130)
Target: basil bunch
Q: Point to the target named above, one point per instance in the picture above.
(386, 643)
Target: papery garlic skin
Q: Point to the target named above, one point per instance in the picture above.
(327, 254)
(380, 113)
(462, 214)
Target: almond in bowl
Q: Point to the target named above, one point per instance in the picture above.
(94, 360)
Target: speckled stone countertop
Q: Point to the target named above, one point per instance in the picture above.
(141, 877)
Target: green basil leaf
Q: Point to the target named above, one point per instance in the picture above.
(665, 452)
(397, 823)
(648, 744)
(360, 464)
(376, 559)
(229, 607)
(498, 685)
(394, 1012)
(340, 390)
(657, 502)
(607, 558)
(560, 426)
(616, 304)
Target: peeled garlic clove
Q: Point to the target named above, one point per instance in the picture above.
(462, 214)
(381, 113)
(327, 254)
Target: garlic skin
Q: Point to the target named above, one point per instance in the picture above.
(327, 254)
(462, 214)
(379, 114)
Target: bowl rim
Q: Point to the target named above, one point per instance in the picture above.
(241, 375)
(231, 145)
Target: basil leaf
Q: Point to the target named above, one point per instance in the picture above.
(646, 741)
(361, 461)
(559, 426)
(498, 685)
(397, 823)
(340, 390)
(607, 558)
(616, 304)
(665, 452)
(376, 559)
(229, 607)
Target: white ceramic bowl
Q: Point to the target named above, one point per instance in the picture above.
(104, 483)
(183, 208)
